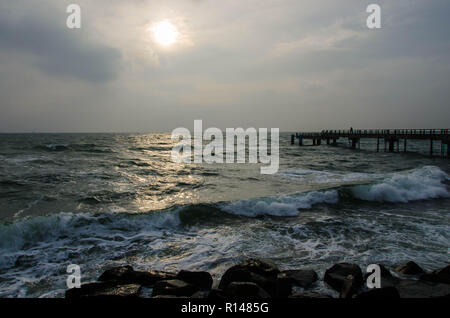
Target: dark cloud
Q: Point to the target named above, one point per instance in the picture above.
(58, 50)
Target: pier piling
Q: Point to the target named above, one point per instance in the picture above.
(391, 145)
(431, 147)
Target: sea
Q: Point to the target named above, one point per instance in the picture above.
(104, 200)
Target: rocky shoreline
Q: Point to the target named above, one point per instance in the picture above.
(261, 279)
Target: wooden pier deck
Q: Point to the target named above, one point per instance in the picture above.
(390, 137)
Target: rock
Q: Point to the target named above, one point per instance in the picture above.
(336, 275)
(216, 293)
(302, 277)
(262, 273)
(203, 280)
(387, 280)
(168, 297)
(128, 290)
(146, 292)
(350, 287)
(149, 278)
(116, 273)
(174, 287)
(384, 292)
(201, 294)
(438, 276)
(245, 290)
(383, 271)
(309, 295)
(88, 289)
(284, 285)
(409, 268)
(108, 289)
(127, 275)
(237, 273)
(409, 288)
(262, 267)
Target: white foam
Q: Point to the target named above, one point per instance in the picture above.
(36, 230)
(41, 247)
(417, 184)
(280, 206)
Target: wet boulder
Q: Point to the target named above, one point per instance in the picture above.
(387, 280)
(262, 273)
(245, 290)
(302, 277)
(409, 268)
(438, 276)
(174, 287)
(201, 294)
(350, 287)
(309, 295)
(336, 275)
(202, 280)
(116, 273)
(284, 285)
(262, 267)
(126, 274)
(104, 289)
(384, 292)
(217, 294)
(168, 297)
(409, 288)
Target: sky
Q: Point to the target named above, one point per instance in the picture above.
(297, 65)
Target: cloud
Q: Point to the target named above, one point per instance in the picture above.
(57, 50)
(327, 40)
(263, 63)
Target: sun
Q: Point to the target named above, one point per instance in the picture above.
(165, 33)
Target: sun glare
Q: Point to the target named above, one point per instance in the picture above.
(165, 33)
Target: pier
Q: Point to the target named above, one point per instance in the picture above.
(390, 138)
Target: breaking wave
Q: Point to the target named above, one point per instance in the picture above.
(281, 206)
(26, 233)
(424, 183)
(428, 182)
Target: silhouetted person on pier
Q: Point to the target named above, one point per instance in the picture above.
(351, 130)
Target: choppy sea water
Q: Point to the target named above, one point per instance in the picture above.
(100, 200)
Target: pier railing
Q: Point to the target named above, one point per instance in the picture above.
(382, 132)
(390, 137)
